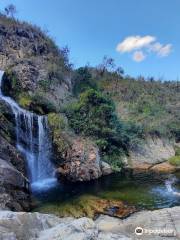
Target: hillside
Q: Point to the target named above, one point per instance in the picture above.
(39, 69)
(154, 105)
(93, 112)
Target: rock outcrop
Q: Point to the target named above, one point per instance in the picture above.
(76, 157)
(34, 61)
(149, 156)
(159, 224)
(14, 189)
(82, 162)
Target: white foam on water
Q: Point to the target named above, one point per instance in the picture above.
(169, 186)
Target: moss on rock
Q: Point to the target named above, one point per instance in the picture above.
(11, 85)
(88, 206)
(25, 101)
(175, 160)
(61, 140)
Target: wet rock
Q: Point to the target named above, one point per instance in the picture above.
(164, 168)
(113, 208)
(8, 151)
(106, 168)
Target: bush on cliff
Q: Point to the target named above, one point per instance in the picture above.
(11, 85)
(94, 115)
(60, 137)
(83, 80)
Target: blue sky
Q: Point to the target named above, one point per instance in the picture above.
(146, 31)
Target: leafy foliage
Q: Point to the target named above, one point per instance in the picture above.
(83, 80)
(94, 115)
(175, 160)
(12, 86)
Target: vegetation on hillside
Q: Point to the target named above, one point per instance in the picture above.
(36, 63)
(153, 105)
(113, 109)
(176, 159)
(94, 115)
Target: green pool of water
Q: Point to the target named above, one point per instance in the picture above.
(143, 191)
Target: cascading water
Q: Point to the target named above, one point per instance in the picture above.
(169, 185)
(33, 142)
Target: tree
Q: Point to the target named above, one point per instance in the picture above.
(106, 65)
(10, 10)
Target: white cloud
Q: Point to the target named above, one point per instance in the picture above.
(134, 42)
(161, 50)
(142, 46)
(139, 56)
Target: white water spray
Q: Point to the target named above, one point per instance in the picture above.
(169, 185)
(32, 134)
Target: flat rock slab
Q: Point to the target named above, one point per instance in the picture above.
(165, 221)
(36, 226)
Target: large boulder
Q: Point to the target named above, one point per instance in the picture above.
(158, 224)
(154, 151)
(77, 158)
(82, 161)
(14, 187)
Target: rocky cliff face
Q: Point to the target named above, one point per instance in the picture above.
(152, 155)
(34, 61)
(14, 189)
(82, 161)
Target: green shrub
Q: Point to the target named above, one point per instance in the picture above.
(94, 115)
(115, 160)
(56, 121)
(175, 160)
(60, 138)
(24, 101)
(83, 80)
(12, 86)
(41, 104)
(177, 151)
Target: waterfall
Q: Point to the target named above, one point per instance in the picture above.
(32, 140)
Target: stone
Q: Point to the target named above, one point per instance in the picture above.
(81, 229)
(106, 168)
(164, 168)
(14, 194)
(36, 226)
(140, 167)
(167, 219)
(28, 53)
(8, 151)
(153, 151)
(82, 161)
